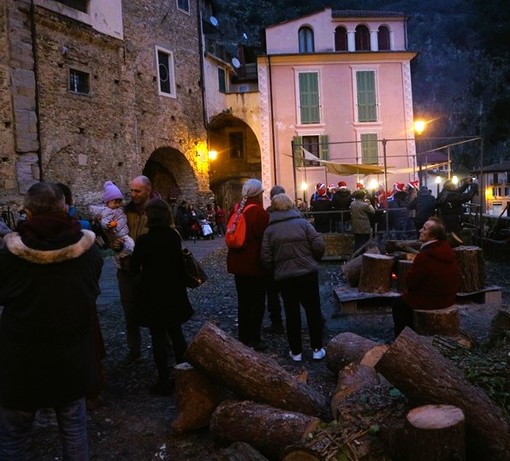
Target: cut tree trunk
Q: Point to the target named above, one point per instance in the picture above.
(352, 268)
(403, 266)
(345, 348)
(435, 432)
(426, 377)
(374, 355)
(376, 273)
(352, 379)
(500, 326)
(266, 428)
(252, 375)
(445, 322)
(196, 397)
(471, 268)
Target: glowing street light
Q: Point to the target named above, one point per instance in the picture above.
(213, 154)
(304, 188)
(455, 180)
(419, 126)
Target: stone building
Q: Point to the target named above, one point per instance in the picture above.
(93, 91)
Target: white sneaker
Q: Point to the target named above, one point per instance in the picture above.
(319, 354)
(297, 357)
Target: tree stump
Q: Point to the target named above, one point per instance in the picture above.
(471, 268)
(426, 377)
(445, 322)
(376, 273)
(266, 428)
(500, 325)
(345, 348)
(352, 268)
(403, 266)
(374, 355)
(436, 432)
(196, 397)
(252, 375)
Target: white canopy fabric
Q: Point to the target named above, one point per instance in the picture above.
(344, 169)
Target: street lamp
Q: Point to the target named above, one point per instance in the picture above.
(419, 126)
(213, 154)
(304, 188)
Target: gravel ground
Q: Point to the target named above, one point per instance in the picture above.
(135, 425)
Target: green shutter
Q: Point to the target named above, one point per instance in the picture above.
(309, 97)
(369, 150)
(324, 147)
(298, 153)
(365, 81)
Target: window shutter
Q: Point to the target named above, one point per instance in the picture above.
(365, 81)
(309, 97)
(369, 150)
(298, 151)
(324, 147)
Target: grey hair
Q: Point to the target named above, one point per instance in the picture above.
(44, 197)
(281, 202)
(144, 180)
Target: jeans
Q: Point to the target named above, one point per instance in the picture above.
(16, 425)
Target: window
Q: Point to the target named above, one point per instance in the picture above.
(383, 38)
(309, 97)
(362, 38)
(222, 87)
(340, 39)
(166, 76)
(79, 81)
(316, 145)
(80, 5)
(183, 5)
(365, 88)
(369, 148)
(306, 44)
(236, 144)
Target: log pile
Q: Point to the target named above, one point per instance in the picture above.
(273, 415)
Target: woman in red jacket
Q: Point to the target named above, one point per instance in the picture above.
(432, 280)
(248, 271)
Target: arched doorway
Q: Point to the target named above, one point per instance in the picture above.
(238, 157)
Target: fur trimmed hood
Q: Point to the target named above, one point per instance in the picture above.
(16, 246)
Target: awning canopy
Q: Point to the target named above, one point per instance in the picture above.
(344, 169)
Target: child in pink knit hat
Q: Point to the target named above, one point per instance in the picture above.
(111, 216)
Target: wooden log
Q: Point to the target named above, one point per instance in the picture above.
(352, 268)
(426, 377)
(409, 246)
(345, 348)
(376, 273)
(240, 451)
(252, 375)
(445, 322)
(196, 397)
(373, 356)
(471, 268)
(266, 428)
(403, 265)
(352, 379)
(435, 432)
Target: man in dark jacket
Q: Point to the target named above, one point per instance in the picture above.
(341, 201)
(49, 286)
(450, 203)
(432, 280)
(425, 206)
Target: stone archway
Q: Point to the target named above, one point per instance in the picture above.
(172, 175)
(238, 157)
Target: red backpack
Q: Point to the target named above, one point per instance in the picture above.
(235, 236)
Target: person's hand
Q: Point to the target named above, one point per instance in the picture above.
(117, 244)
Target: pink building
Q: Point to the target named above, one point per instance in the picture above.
(336, 85)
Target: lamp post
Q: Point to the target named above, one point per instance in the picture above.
(438, 181)
(304, 188)
(384, 141)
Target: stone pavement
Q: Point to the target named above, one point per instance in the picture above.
(108, 282)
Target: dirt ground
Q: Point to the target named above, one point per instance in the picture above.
(135, 425)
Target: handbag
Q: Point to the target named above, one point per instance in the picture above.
(194, 274)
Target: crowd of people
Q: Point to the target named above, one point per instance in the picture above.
(401, 212)
(193, 223)
(51, 349)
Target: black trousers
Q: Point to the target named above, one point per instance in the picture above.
(402, 315)
(161, 347)
(251, 306)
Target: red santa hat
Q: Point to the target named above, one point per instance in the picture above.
(342, 184)
(360, 185)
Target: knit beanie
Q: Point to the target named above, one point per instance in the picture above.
(252, 188)
(111, 192)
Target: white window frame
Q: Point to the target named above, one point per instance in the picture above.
(171, 72)
(355, 70)
(298, 96)
(70, 88)
(187, 11)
